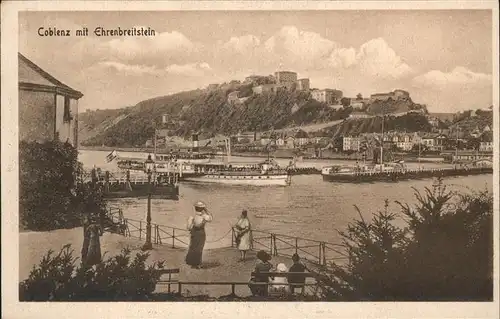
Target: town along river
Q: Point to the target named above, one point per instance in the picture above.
(309, 207)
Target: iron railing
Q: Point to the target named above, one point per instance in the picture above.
(162, 235)
(314, 251)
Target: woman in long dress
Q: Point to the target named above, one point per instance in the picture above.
(94, 231)
(86, 238)
(243, 234)
(196, 226)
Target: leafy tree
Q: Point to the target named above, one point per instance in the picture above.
(120, 278)
(51, 193)
(473, 143)
(445, 251)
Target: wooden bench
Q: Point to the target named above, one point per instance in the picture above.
(168, 272)
(305, 275)
(233, 284)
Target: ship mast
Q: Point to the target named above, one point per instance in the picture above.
(154, 154)
(382, 144)
(227, 142)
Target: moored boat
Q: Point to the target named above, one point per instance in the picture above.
(262, 174)
(266, 173)
(395, 174)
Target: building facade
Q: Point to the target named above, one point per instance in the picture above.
(48, 109)
(486, 144)
(395, 95)
(351, 143)
(381, 96)
(303, 85)
(401, 94)
(328, 96)
(285, 77)
(265, 88)
(301, 138)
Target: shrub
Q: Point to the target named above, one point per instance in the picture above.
(52, 194)
(57, 278)
(445, 252)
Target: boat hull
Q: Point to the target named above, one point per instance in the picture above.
(256, 180)
(403, 175)
(138, 190)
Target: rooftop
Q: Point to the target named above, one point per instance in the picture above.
(41, 80)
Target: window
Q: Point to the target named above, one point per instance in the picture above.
(67, 110)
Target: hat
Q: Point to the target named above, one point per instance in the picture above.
(281, 268)
(295, 257)
(200, 204)
(264, 256)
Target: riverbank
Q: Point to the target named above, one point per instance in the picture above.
(280, 154)
(219, 264)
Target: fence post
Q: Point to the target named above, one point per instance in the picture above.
(232, 237)
(319, 255)
(140, 229)
(271, 245)
(324, 256)
(251, 242)
(156, 234)
(173, 237)
(275, 247)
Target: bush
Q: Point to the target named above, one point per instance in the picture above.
(57, 278)
(445, 252)
(52, 194)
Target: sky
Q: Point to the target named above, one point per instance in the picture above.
(443, 58)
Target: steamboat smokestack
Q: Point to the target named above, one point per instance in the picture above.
(195, 143)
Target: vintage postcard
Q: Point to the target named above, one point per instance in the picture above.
(308, 159)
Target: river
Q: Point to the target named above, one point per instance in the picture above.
(309, 208)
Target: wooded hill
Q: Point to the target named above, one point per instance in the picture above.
(406, 123)
(210, 112)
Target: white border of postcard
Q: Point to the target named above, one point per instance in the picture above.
(12, 308)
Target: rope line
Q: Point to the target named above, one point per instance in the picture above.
(214, 241)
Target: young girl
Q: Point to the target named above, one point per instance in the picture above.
(243, 233)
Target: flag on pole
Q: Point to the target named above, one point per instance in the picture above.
(111, 156)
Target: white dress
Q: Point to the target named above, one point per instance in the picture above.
(243, 232)
(277, 288)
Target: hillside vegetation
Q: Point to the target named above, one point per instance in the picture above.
(468, 123)
(393, 106)
(408, 122)
(209, 112)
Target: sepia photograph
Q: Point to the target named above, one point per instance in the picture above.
(256, 155)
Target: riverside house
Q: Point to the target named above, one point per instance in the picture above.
(48, 108)
(486, 144)
(301, 138)
(351, 143)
